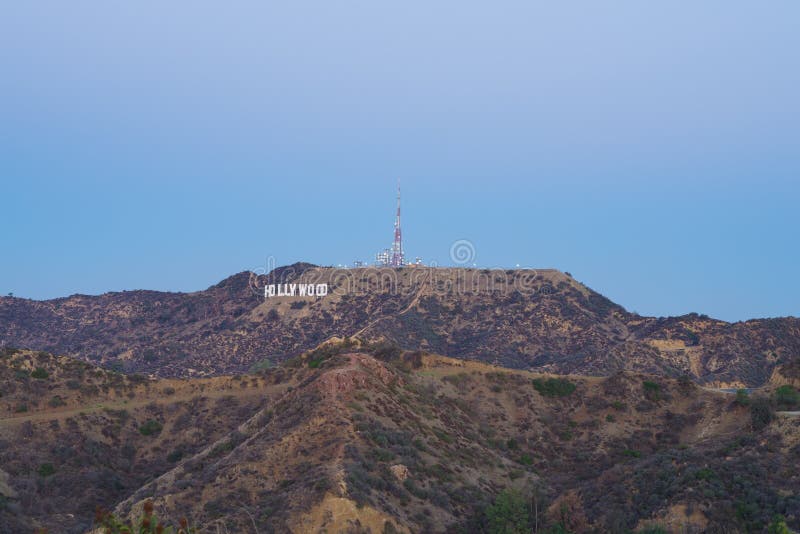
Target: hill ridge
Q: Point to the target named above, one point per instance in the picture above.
(534, 319)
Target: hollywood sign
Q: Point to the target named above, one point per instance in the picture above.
(295, 290)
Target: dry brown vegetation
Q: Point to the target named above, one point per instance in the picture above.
(557, 325)
(361, 437)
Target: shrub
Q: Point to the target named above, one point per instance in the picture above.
(175, 456)
(567, 514)
(526, 459)
(45, 470)
(8, 351)
(21, 408)
(39, 373)
(787, 396)
(382, 455)
(553, 387)
(460, 380)
(56, 401)
(149, 524)
(742, 397)
(761, 413)
(442, 435)
(262, 365)
(652, 390)
(222, 448)
(415, 490)
(508, 514)
(386, 350)
(778, 526)
(705, 474)
(150, 427)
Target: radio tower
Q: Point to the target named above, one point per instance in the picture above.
(397, 259)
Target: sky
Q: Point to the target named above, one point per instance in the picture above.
(652, 149)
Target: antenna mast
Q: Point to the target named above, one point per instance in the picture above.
(397, 258)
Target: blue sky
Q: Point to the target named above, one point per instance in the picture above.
(651, 149)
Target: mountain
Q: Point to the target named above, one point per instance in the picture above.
(358, 437)
(541, 320)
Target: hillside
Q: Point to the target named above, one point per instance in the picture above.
(538, 320)
(368, 438)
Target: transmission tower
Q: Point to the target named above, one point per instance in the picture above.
(397, 258)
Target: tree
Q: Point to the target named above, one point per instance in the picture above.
(761, 413)
(537, 505)
(787, 396)
(742, 397)
(39, 373)
(508, 514)
(778, 526)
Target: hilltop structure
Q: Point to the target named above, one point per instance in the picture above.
(393, 257)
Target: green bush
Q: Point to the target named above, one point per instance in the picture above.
(39, 373)
(262, 365)
(705, 474)
(554, 387)
(107, 523)
(652, 390)
(787, 396)
(778, 526)
(222, 448)
(508, 514)
(442, 435)
(150, 427)
(382, 455)
(56, 401)
(742, 397)
(21, 408)
(761, 413)
(175, 456)
(45, 470)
